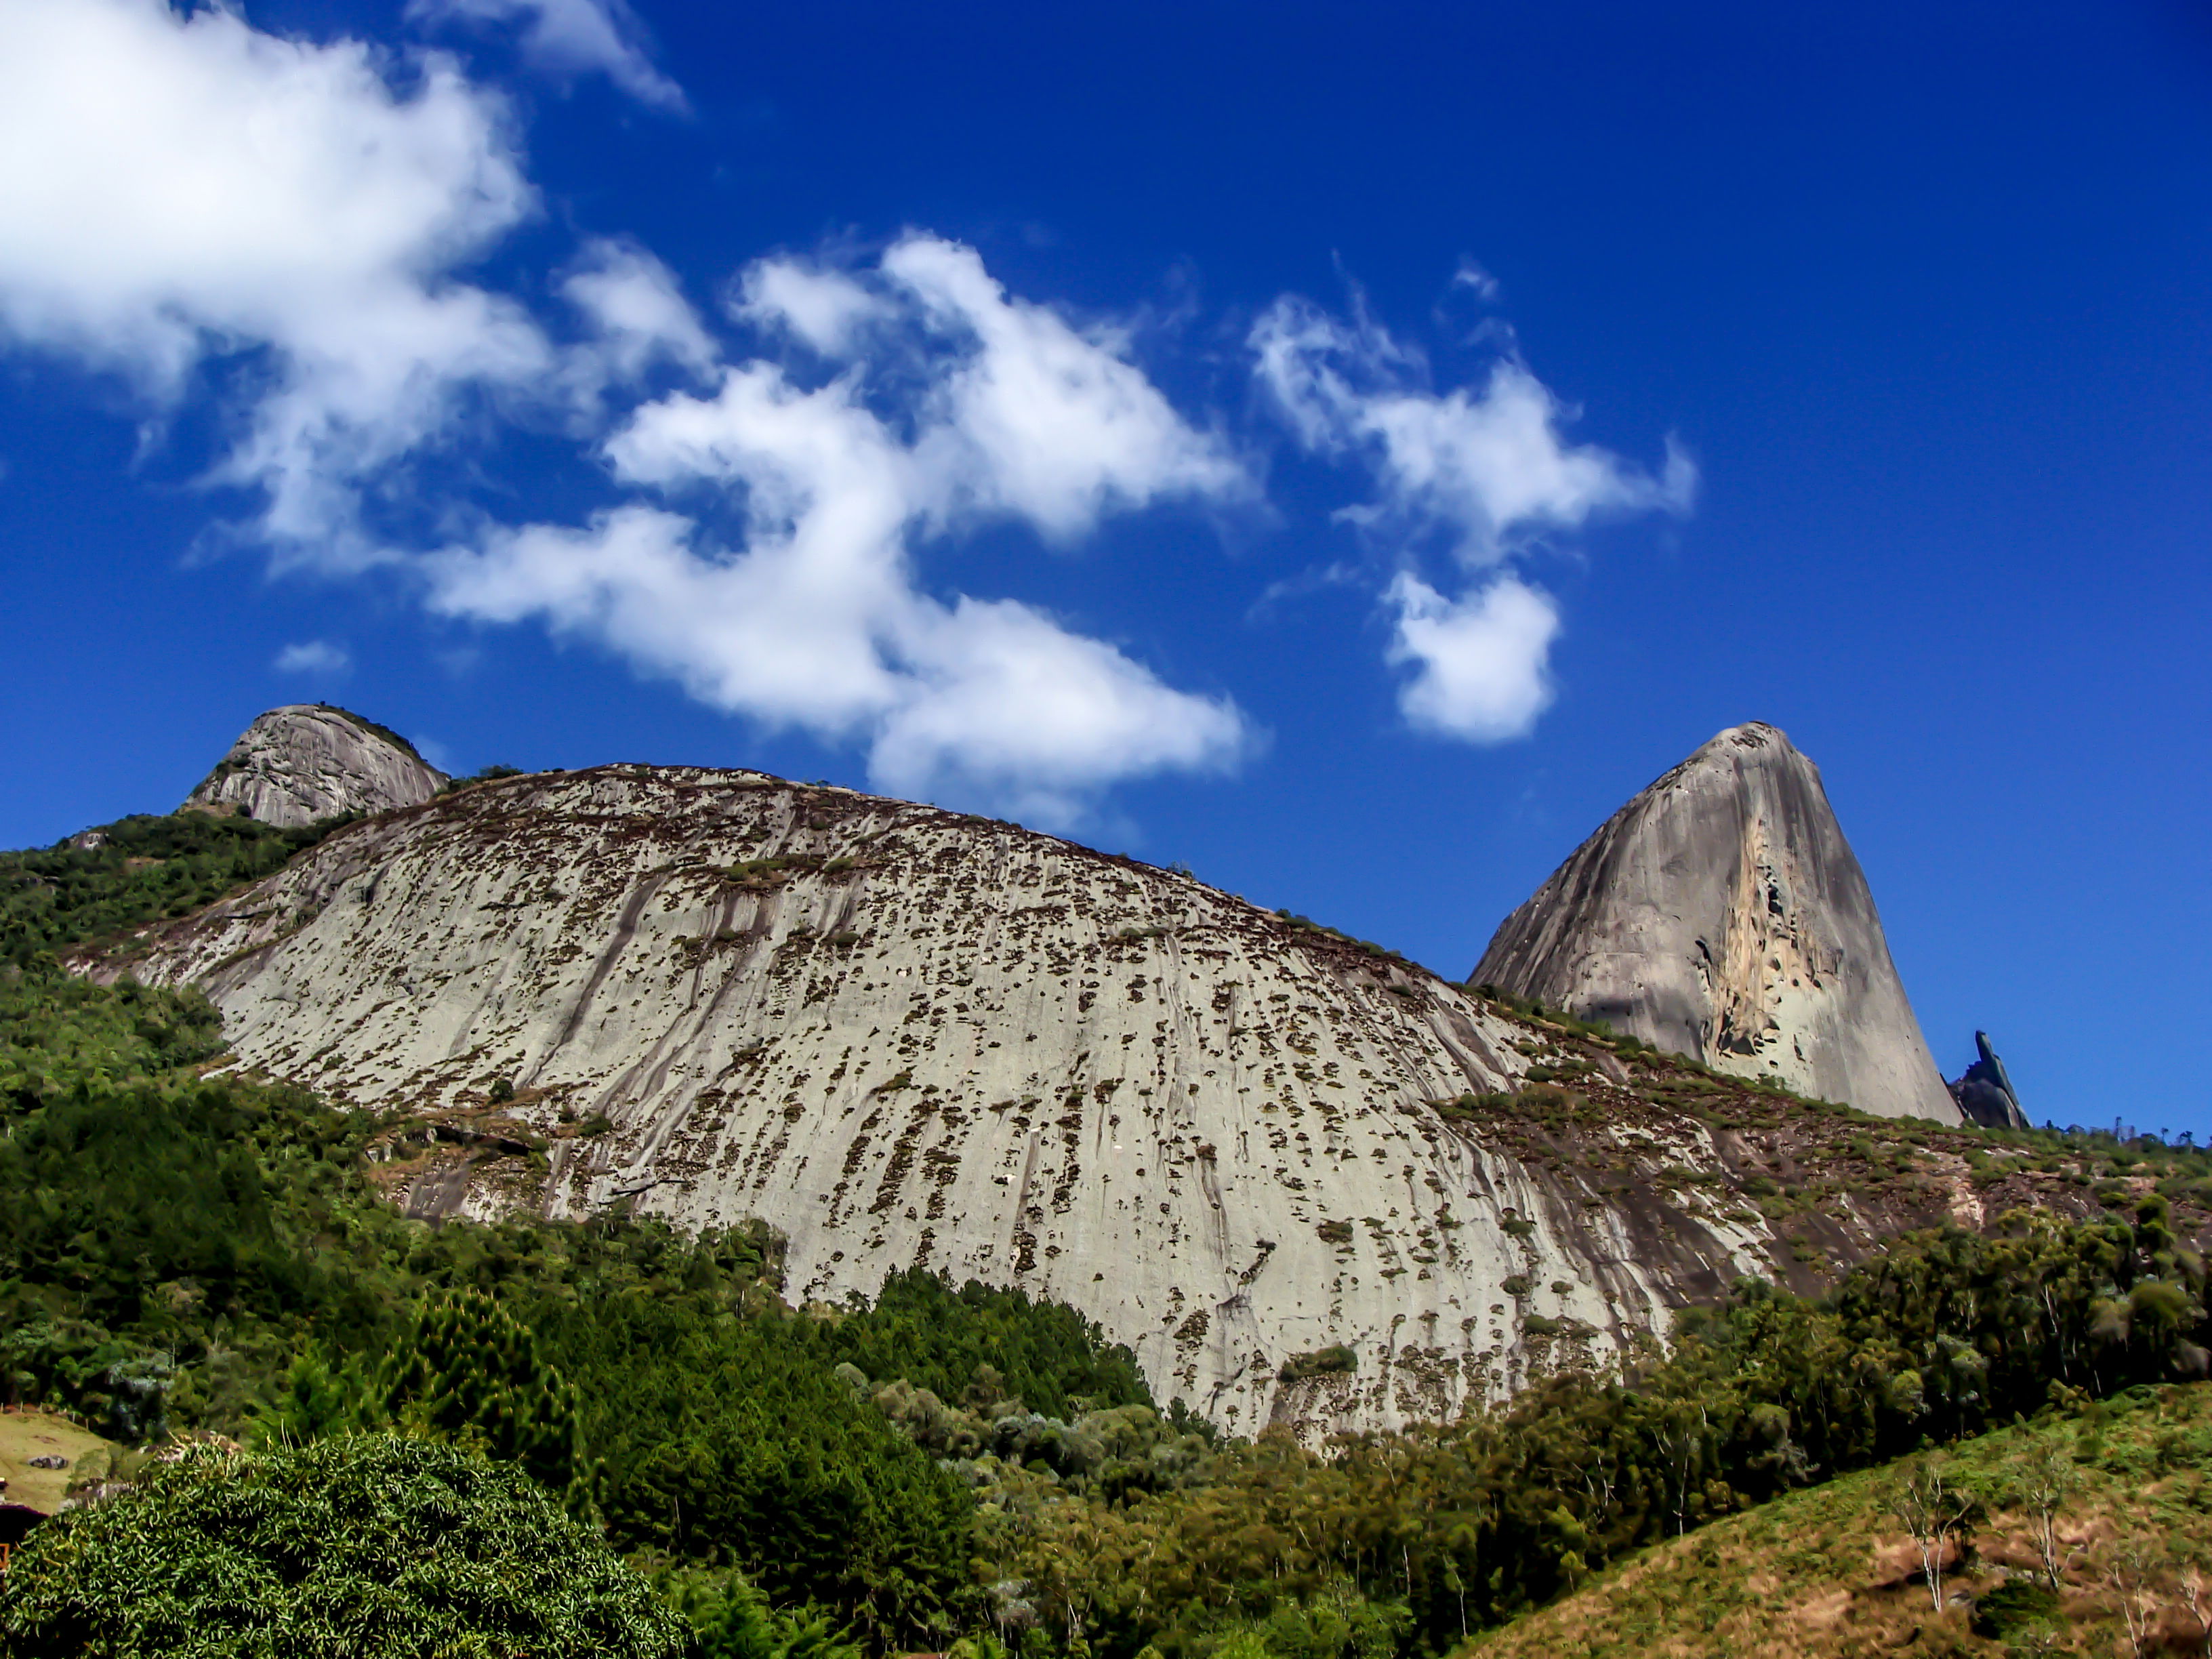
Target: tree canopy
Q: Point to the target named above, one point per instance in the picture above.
(366, 1546)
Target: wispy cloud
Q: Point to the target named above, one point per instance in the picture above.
(566, 38)
(317, 658)
(1486, 469)
(1477, 280)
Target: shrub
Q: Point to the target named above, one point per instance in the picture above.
(2012, 1606)
(1334, 1361)
(371, 1546)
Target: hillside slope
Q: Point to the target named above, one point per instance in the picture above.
(1831, 1571)
(900, 1035)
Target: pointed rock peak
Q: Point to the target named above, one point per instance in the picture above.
(306, 762)
(1986, 1093)
(1722, 914)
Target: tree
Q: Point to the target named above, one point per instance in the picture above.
(366, 1546)
(732, 1620)
(468, 1370)
(1937, 1512)
(2132, 1574)
(2194, 1586)
(2043, 1483)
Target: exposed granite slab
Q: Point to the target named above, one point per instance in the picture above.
(1722, 914)
(307, 762)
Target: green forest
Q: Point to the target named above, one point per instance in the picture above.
(949, 1465)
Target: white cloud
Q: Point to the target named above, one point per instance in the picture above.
(1488, 469)
(180, 187)
(1006, 703)
(565, 38)
(981, 407)
(183, 200)
(318, 657)
(1480, 662)
(825, 308)
(637, 315)
(1057, 427)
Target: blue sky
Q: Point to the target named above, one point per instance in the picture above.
(1348, 450)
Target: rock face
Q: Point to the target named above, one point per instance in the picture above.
(1986, 1093)
(306, 762)
(1721, 915)
(899, 1034)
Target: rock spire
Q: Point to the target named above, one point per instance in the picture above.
(1722, 914)
(306, 762)
(1986, 1093)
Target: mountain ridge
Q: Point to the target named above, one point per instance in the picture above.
(900, 1034)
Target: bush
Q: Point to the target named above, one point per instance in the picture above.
(1334, 1361)
(2012, 1606)
(371, 1546)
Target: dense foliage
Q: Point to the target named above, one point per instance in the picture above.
(139, 870)
(367, 1547)
(1450, 1528)
(157, 1221)
(923, 1331)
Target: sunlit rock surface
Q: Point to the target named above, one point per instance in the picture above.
(1721, 915)
(307, 762)
(899, 1034)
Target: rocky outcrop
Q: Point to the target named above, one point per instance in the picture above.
(1986, 1093)
(1721, 915)
(308, 761)
(898, 1034)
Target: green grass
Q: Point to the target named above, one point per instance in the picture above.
(27, 1435)
(1828, 1571)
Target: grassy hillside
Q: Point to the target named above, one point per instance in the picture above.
(35, 1434)
(1832, 1570)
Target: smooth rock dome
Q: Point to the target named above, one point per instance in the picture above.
(1722, 914)
(307, 762)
